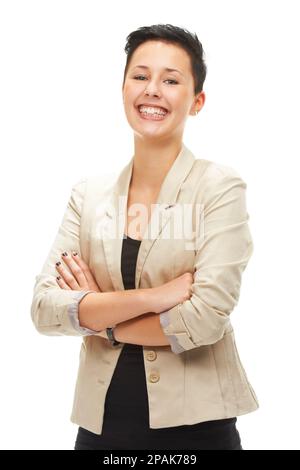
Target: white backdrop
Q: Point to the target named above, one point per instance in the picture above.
(62, 118)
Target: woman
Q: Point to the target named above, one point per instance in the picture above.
(159, 367)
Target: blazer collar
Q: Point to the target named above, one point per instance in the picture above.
(114, 226)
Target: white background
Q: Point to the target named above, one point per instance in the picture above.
(62, 118)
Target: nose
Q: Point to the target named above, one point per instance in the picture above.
(152, 90)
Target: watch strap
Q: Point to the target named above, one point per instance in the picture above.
(111, 336)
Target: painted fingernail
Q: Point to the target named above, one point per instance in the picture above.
(74, 253)
(58, 263)
(64, 253)
(58, 278)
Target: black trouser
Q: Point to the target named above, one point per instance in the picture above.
(87, 440)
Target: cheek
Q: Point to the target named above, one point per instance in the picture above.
(178, 101)
(130, 97)
(128, 91)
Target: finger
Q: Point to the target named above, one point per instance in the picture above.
(67, 277)
(62, 283)
(84, 267)
(75, 269)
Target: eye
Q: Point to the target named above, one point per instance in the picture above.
(138, 76)
(171, 80)
(168, 80)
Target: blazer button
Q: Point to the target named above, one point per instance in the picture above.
(154, 377)
(151, 355)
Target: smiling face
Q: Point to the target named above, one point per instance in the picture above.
(169, 89)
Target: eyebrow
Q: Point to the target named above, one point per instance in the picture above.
(166, 68)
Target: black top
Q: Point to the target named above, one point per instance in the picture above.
(126, 404)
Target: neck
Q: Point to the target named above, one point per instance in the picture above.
(152, 162)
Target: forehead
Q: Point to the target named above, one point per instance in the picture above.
(158, 54)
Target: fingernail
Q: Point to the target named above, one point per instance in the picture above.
(74, 253)
(58, 263)
(64, 253)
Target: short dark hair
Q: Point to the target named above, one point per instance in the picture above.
(170, 34)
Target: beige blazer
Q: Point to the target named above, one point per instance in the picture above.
(199, 377)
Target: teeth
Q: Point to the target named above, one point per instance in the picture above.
(152, 110)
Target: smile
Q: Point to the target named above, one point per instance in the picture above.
(152, 114)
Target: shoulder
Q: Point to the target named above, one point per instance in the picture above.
(213, 174)
(212, 180)
(215, 170)
(97, 183)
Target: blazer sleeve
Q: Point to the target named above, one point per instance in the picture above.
(54, 311)
(224, 251)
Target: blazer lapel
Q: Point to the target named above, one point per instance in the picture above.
(115, 213)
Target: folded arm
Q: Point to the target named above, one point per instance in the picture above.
(57, 311)
(225, 249)
(144, 330)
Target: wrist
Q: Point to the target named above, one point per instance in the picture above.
(152, 296)
(110, 331)
(83, 311)
(116, 333)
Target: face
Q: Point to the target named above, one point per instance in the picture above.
(153, 84)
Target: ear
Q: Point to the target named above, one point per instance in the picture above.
(198, 102)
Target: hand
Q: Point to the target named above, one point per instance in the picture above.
(80, 277)
(173, 292)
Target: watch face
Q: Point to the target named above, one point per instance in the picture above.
(111, 337)
(109, 333)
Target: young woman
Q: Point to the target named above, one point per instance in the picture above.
(147, 267)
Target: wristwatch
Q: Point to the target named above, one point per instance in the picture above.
(111, 337)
